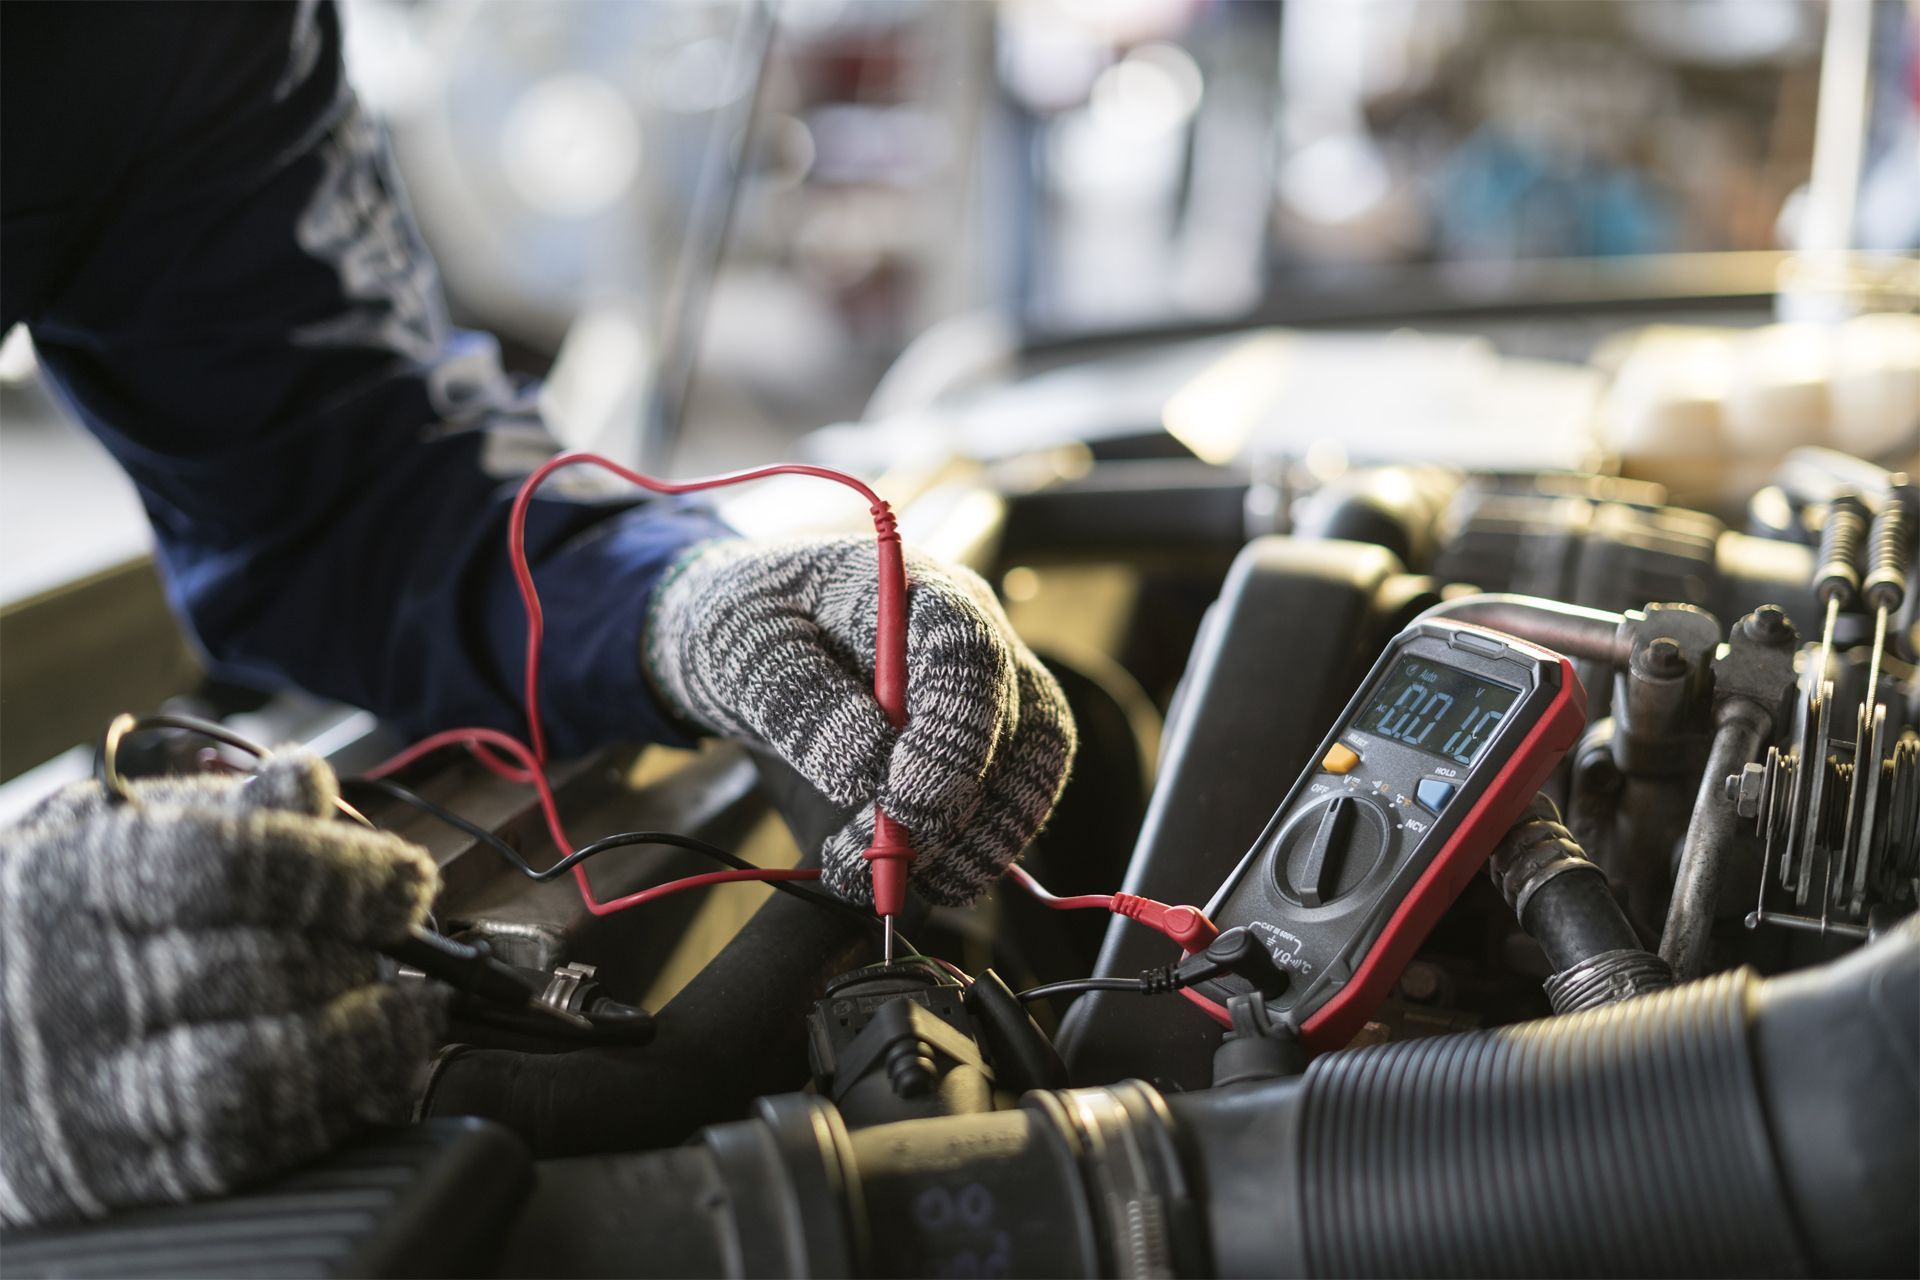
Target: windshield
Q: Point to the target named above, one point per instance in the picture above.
(1073, 165)
(1220, 153)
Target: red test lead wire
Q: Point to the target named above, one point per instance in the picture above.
(1086, 901)
(478, 740)
(892, 603)
(1187, 926)
(892, 848)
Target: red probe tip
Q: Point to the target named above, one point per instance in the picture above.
(887, 858)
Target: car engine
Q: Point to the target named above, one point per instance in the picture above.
(1350, 951)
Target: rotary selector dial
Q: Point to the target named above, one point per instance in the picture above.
(1327, 850)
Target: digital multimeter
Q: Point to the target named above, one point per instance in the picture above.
(1452, 733)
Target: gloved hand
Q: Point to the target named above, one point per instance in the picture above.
(775, 642)
(189, 998)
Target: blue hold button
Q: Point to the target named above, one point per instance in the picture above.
(1433, 793)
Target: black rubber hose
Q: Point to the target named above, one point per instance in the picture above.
(1560, 897)
(1838, 1050)
(1575, 918)
(1547, 1173)
(1565, 904)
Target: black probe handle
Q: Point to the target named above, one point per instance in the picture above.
(466, 968)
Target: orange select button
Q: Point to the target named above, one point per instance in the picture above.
(1340, 759)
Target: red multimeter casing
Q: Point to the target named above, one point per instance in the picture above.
(1450, 736)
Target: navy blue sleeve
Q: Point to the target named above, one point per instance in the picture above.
(241, 308)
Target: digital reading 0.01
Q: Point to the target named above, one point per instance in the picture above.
(1440, 710)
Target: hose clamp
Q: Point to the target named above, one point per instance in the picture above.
(1120, 1138)
(567, 988)
(1530, 856)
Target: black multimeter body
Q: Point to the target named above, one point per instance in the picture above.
(1451, 734)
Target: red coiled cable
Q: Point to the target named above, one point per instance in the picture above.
(892, 847)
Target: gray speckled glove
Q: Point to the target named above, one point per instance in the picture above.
(775, 642)
(189, 998)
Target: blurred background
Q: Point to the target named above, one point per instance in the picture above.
(718, 226)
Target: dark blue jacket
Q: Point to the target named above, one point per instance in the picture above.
(203, 233)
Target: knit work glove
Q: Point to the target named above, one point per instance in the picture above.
(775, 642)
(189, 998)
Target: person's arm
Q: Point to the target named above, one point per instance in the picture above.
(240, 307)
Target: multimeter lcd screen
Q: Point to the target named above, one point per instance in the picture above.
(1441, 711)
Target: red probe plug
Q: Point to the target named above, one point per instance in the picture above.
(1185, 925)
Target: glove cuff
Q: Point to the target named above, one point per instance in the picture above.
(669, 621)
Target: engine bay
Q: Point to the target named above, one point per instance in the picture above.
(1467, 869)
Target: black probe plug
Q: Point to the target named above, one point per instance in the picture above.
(464, 967)
(1237, 953)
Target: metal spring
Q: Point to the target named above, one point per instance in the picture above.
(1900, 860)
(1842, 539)
(1890, 549)
(1833, 821)
(1821, 843)
(1893, 849)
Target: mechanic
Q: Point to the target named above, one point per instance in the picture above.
(204, 234)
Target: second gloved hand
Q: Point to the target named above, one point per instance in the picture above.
(775, 642)
(190, 994)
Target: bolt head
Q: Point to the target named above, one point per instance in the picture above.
(1769, 624)
(1744, 789)
(1420, 983)
(1665, 657)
